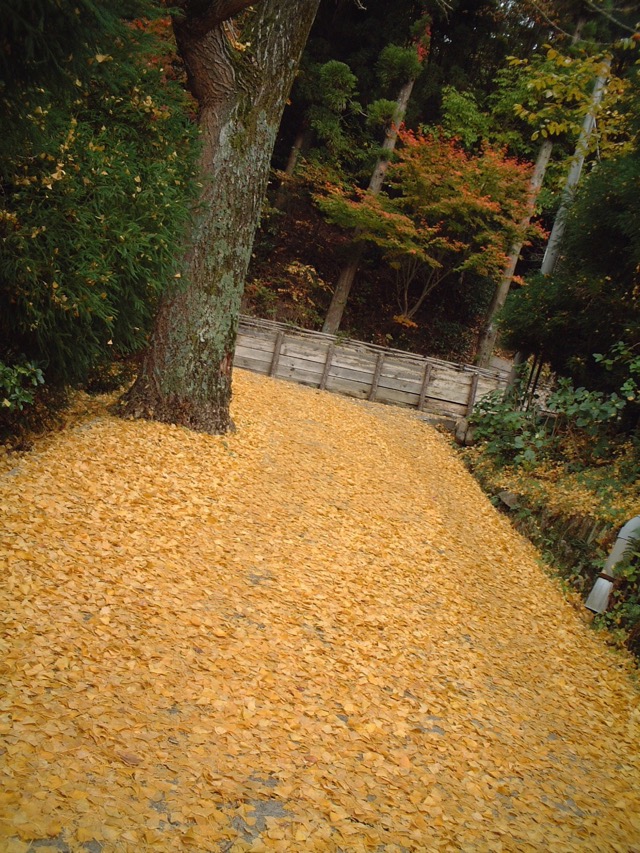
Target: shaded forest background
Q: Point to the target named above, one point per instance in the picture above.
(495, 76)
(98, 168)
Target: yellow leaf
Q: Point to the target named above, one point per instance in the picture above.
(83, 835)
(129, 758)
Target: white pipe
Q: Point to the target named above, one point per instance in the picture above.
(599, 596)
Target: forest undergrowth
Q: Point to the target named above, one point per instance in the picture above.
(566, 472)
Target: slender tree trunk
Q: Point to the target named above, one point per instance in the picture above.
(490, 332)
(347, 275)
(557, 233)
(299, 143)
(240, 64)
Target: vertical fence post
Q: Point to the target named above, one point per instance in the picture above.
(327, 365)
(376, 376)
(276, 354)
(472, 393)
(425, 385)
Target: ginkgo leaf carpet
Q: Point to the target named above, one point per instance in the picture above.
(314, 634)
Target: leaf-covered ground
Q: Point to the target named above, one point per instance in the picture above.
(314, 634)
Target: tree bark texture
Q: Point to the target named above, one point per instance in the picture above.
(342, 289)
(347, 275)
(557, 233)
(490, 331)
(240, 64)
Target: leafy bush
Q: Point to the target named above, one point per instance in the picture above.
(509, 434)
(623, 614)
(95, 199)
(18, 383)
(587, 410)
(590, 418)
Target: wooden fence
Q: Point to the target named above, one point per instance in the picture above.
(362, 370)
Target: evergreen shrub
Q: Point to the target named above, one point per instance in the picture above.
(98, 178)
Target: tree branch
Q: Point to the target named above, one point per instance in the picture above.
(202, 16)
(551, 23)
(430, 285)
(610, 17)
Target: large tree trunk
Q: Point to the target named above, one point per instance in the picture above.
(240, 64)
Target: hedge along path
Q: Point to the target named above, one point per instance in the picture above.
(314, 634)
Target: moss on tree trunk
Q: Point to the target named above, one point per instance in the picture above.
(240, 70)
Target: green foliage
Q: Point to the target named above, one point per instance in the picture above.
(396, 65)
(336, 85)
(446, 213)
(587, 418)
(624, 362)
(328, 92)
(43, 41)
(94, 205)
(50, 47)
(328, 128)
(548, 96)
(18, 383)
(588, 410)
(508, 433)
(462, 118)
(623, 614)
(381, 113)
(556, 91)
(593, 299)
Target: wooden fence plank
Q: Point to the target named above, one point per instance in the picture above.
(251, 364)
(472, 393)
(425, 385)
(256, 342)
(292, 366)
(445, 386)
(327, 366)
(442, 407)
(250, 351)
(485, 386)
(410, 371)
(256, 326)
(362, 370)
(453, 389)
(276, 353)
(376, 376)
(350, 389)
(289, 368)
